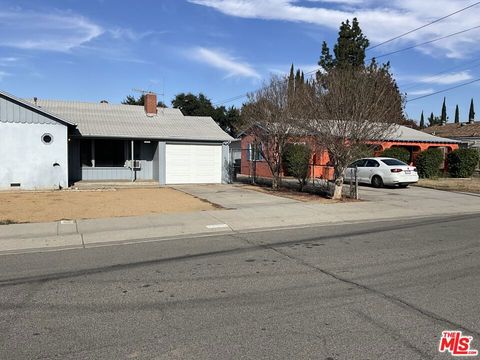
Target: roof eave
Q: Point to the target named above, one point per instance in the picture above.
(35, 108)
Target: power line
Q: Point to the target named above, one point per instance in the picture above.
(393, 52)
(423, 26)
(444, 90)
(436, 75)
(427, 42)
(238, 97)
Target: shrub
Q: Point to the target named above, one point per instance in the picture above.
(428, 162)
(462, 162)
(399, 153)
(297, 160)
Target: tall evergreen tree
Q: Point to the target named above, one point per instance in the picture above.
(422, 121)
(431, 120)
(457, 115)
(291, 76)
(471, 113)
(349, 50)
(443, 116)
(291, 82)
(326, 59)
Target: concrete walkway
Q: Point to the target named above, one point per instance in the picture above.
(269, 212)
(233, 196)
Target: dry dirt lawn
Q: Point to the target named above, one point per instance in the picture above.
(467, 185)
(42, 206)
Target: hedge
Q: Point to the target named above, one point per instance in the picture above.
(462, 162)
(297, 160)
(429, 162)
(399, 153)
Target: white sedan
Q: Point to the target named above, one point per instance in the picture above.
(380, 171)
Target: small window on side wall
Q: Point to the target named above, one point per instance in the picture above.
(47, 138)
(254, 152)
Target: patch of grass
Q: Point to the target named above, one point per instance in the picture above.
(452, 184)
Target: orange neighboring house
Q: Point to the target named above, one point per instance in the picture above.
(414, 141)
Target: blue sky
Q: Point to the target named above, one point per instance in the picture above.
(102, 49)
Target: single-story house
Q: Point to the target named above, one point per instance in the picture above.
(50, 144)
(468, 133)
(414, 141)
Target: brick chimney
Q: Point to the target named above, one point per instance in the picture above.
(150, 104)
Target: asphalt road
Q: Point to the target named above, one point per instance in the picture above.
(361, 291)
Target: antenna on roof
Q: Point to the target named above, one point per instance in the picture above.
(145, 92)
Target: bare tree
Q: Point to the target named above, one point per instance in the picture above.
(351, 108)
(270, 116)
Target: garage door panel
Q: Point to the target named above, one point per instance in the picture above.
(190, 164)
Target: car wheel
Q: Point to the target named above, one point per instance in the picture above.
(377, 181)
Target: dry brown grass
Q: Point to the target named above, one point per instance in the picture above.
(42, 206)
(467, 185)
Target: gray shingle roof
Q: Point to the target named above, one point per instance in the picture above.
(404, 133)
(130, 121)
(33, 107)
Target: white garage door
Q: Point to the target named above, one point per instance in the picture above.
(193, 164)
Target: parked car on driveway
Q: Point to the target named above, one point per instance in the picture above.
(379, 171)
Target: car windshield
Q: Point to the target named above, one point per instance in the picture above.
(393, 162)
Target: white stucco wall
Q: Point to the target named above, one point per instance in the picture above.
(25, 159)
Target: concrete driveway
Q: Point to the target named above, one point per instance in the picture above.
(413, 193)
(427, 201)
(233, 196)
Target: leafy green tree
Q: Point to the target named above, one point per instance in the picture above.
(457, 115)
(422, 121)
(193, 105)
(200, 105)
(471, 113)
(132, 100)
(443, 116)
(434, 120)
(349, 50)
(229, 119)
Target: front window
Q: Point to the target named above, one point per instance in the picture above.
(110, 153)
(104, 153)
(86, 153)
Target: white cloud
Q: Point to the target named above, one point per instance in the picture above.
(421, 92)
(343, 2)
(8, 61)
(447, 79)
(132, 35)
(220, 60)
(40, 31)
(380, 20)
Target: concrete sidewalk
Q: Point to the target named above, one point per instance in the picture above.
(97, 232)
